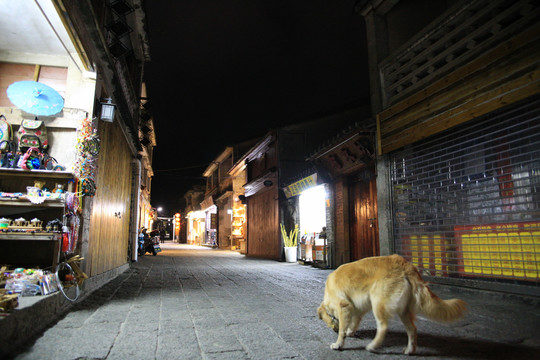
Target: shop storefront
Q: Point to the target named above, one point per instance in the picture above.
(347, 165)
(225, 219)
(238, 241)
(210, 226)
(313, 217)
(210, 211)
(195, 227)
(466, 202)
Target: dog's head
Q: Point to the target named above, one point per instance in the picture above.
(327, 315)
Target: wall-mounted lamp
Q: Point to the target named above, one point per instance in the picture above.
(107, 110)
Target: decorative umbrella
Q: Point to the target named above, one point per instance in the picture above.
(35, 98)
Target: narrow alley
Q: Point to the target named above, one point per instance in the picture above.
(198, 303)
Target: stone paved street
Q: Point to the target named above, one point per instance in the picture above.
(197, 303)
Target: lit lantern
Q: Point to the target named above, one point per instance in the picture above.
(177, 223)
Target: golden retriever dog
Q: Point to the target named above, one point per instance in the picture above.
(387, 285)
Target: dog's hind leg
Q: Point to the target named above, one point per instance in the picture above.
(408, 320)
(355, 321)
(345, 315)
(382, 317)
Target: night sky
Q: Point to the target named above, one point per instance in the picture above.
(225, 71)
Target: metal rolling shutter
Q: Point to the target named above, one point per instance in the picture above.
(466, 202)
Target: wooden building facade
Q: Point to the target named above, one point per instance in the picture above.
(455, 90)
(348, 162)
(273, 164)
(118, 59)
(81, 59)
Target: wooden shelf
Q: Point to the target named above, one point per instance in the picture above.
(34, 248)
(27, 203)
(36, 173)
(39, 236)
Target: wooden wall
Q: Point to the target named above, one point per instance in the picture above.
(263, 224)
(55, 77)
(508, 73)
(109, 233)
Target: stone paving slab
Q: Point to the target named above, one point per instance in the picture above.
(199, 303)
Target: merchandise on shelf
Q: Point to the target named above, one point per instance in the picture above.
(30, 282)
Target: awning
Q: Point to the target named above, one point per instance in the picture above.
(266, 180)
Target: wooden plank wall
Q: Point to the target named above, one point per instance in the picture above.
(109, 234)
(263, 227)
(507, 74)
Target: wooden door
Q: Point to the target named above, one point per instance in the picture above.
(263, 228)
(109, 222)
(364, 232)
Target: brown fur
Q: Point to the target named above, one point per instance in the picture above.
(387, 285)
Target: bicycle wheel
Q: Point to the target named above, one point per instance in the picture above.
(67, 281)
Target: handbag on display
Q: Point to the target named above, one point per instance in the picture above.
(6, 135)
(8, 148)
(32, 133)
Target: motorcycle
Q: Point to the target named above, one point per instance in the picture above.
(149, 243)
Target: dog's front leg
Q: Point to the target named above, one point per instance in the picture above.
(344, 316)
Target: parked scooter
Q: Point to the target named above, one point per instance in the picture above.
(149, 243)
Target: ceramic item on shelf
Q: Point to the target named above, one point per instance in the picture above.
(35, 222)
(20, 222)
(4, 223)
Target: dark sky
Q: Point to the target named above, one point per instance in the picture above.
(225, 71)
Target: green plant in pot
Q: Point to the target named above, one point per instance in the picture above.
(290, 242)
(290, 239)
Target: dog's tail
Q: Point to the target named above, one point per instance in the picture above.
(434, 307)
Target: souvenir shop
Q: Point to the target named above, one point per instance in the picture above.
(313, 216)
(40, 201)
(195, 227)
(210, 222)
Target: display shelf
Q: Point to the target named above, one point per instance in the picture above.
(42, 249)
(40, 236)
(36, 173)
(31, 247)
(26, 203)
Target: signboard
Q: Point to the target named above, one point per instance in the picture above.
(500, 250)
(297, 187)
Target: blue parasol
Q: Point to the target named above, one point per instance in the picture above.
(35, 98)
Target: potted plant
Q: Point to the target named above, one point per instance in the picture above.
(289, 242)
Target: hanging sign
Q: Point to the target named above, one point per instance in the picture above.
(301, 185)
